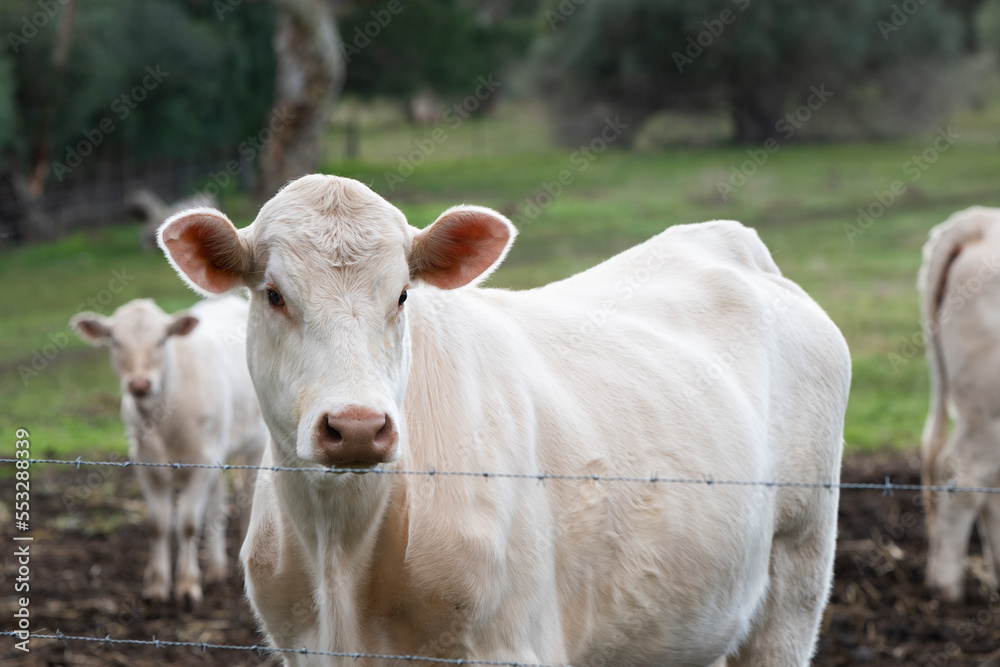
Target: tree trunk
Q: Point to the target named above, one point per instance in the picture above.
(754, 119)
(310, 71)
(22, 217)
(41, 153)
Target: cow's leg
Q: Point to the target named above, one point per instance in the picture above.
(215, 532)
(157, 492)
(801, 570)
(989, 531)
(191, 504)
(243, 485)
(955, 513)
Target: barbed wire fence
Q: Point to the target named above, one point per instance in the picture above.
(887, 487)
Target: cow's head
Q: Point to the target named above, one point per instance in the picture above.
(328, 264)
(138, 334)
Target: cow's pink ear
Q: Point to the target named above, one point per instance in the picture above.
(464, 245)
(182, 324)
(205, 248)
(91, 328)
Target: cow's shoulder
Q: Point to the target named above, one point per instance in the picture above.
(723, 241)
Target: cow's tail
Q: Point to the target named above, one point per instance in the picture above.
(943, 247)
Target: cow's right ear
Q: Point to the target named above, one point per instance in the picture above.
(205, 249)
(91, 328)
(464, 245)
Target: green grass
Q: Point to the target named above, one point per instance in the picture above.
(800, 201)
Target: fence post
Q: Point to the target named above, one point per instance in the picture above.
(351, 147)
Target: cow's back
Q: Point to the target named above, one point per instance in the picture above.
(713, 367)
(218, 382)
(688, 356)
(969, 320)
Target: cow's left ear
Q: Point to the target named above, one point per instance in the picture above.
(464, 245)
(182, 324)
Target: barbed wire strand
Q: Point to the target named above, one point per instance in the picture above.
(263, 650)
(887, 487)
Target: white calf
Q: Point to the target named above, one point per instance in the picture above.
(186, 397)
(687, 356)
(960, 310)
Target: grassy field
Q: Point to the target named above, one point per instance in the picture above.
(803, 200)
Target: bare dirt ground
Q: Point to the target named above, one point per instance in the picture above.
(90, 549)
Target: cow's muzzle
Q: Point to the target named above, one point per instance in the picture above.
(354, 438)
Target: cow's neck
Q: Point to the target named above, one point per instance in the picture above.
(342, 522)
(343, 510)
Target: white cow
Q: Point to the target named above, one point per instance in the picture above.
(688, 356)
(960, 310)
(186, 397)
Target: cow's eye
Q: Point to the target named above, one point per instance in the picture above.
(402, 297)
(274, 298)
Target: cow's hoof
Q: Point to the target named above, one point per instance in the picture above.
(952, 594)
(190, 598)
(155, 594)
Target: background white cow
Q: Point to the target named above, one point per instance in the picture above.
(960, 310)
(688, 356)
(186, 397)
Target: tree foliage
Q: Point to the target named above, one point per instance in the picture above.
(399, 47)
(754, 58)
(213, 83)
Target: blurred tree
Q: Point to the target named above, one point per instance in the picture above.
(754, 58)
(119, 79)
(400, 47)
(967, 10)
(310, 71)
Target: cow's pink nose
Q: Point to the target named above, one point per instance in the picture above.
(139, 387)
(354, 437)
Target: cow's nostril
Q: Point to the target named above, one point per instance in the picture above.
(333, 436)
(385, 435)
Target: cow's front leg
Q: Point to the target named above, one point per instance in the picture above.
(216, 522)
(156, 490)
(191, 504)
